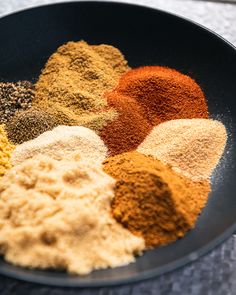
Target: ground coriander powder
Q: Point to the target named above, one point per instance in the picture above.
(75, 78)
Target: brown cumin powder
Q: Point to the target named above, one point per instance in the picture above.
(153, 201)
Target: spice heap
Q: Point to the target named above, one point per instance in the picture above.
(5, 152)
(56, 214)
(13, 97)
(74, 80)
(61, 142)
(192, 147)
(148, 96)
(151, 199)
(29, 124)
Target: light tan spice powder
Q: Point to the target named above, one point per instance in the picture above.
(62, 142)
(193, 147)
(74, 80)
(56, 214)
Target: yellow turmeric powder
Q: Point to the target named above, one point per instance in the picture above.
(153, 201)
(6, 148)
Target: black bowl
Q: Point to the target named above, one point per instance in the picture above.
(146, 37)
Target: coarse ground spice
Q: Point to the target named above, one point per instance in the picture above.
(148, 96)
(13, 97)
(193, 147)
(75, 78)
(29, 124)
(6, 150)
(153, 201)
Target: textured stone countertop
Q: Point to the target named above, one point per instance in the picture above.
(213, 274)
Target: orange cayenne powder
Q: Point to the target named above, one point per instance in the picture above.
(148, 96)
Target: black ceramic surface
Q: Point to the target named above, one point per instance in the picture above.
(146, 37)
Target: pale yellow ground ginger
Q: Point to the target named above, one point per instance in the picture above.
(56, 214)
(6, 149)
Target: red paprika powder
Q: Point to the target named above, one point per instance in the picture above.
(145, 97)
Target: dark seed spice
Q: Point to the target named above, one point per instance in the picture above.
(13, 97)
(29, 124)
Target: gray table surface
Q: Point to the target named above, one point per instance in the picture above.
(213, 274)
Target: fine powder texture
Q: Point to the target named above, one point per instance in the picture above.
(148, 96)
(5, 152)
(29, 124)
(13, 97)
(61, 142)
(74, 80)
(153, 201)
(192, 147)
(56, 214)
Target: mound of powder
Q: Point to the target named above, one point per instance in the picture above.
(192, 147)
(126, 131)
(56, 214)
(61, 142)
(153, 201)
(28, 124)
(5, 151)
(148, 96)
(76, 76)
(13, 97)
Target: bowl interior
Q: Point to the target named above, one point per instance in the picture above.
(146, 37)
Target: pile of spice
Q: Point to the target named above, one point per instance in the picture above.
(193, 147)
(74, 80)
(148, 96)
(61, 142)
(56, 214)
(13, 97)
(151, 199)
(29, 124)
(6, 149)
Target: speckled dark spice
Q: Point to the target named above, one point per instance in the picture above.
(29, 124)
(13, 97)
